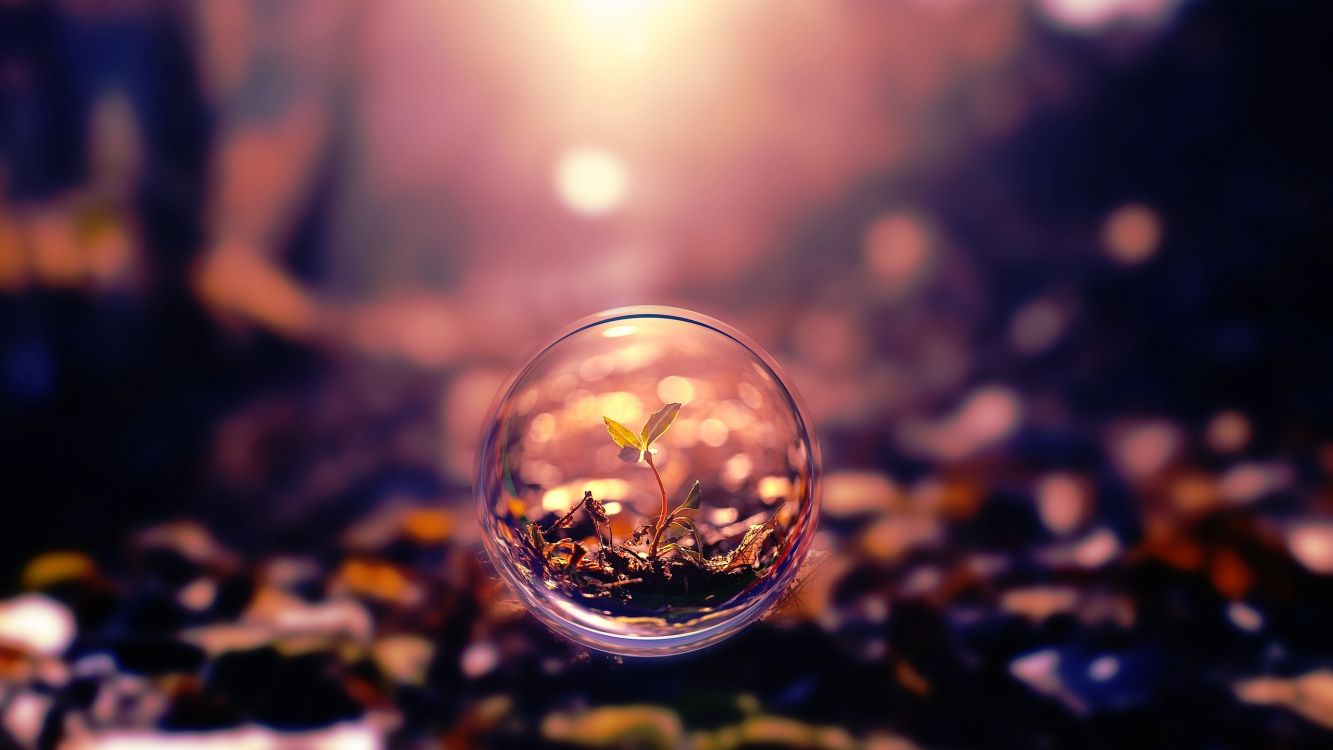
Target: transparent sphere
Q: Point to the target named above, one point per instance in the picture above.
(647, 482)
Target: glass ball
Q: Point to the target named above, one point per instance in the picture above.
(647, 482)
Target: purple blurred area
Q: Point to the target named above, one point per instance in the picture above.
(1051, 275)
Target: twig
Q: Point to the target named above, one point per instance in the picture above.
(614, 584)
(587, 494)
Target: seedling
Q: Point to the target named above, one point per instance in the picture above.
(671, 564)
(639, 447)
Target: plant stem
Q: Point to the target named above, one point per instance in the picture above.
(661, 520)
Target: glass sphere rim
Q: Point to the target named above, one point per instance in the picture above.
(669, 643)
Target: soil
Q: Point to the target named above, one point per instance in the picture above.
(678, 581)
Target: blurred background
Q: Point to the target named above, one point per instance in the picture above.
(1051, 275)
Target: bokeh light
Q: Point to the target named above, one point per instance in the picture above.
(1132, 234)
(591, 181)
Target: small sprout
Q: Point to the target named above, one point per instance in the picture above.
(638, 447)
(674, 558)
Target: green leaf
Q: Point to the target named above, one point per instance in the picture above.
(686, 528)
(658, 423)
(624, 437)
(685, 552)
(692, 500)
(684, 523)
(692, 497)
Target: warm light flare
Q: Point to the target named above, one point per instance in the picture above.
(618, 12)
(590, 181)
(615, 332)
